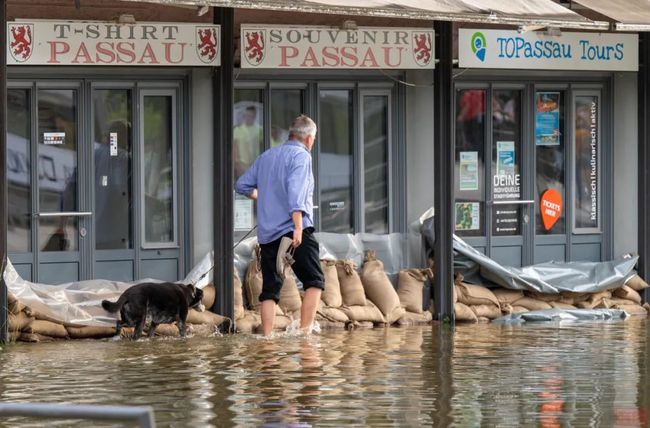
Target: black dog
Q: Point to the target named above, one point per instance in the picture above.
(164, 303)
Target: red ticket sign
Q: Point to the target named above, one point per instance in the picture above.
(550, 205)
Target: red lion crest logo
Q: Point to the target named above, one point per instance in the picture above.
(21, 42)
(422, 50)
(207, 46)
(254, 47)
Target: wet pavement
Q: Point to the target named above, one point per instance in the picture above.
(548, 375)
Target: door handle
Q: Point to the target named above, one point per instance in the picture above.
(515, 202)
(65, 214)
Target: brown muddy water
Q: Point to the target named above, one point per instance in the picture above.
(548, 375)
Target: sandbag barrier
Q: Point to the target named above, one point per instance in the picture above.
(476, 303)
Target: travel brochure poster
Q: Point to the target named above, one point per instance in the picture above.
(505, 157)
(468, 170)
(547, 119)
(468, 215)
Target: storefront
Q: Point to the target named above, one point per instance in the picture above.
(536, 148)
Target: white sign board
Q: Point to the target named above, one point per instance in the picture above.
(479, 48)
(46, 42)
(272, 46)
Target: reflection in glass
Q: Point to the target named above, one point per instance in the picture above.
(469, 172)
(335, 161)
(248, 129)
(549, 158)
(506, 161)
(587, 193)
(112, 154)
(57, 168)
(158, 169)
(286, 105)
(19, 225)
(375, 163)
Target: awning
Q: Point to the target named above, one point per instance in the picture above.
(631, 15)
(544, 13)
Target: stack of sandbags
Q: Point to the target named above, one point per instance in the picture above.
(409, 290)
(379, 289)
(475, 303)
(329, 314)
(355, 305)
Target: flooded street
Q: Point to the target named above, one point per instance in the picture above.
(581, 374)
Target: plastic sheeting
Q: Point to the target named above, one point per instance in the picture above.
(563, 315)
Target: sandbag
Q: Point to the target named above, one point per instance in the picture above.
(205, 317)
(412, 318)
(544, 297)
(332, 314)
(409, 288)
(168, 330)
(470, 294)
(462, 312)
(253, 281)
(532, 304)
(209, 296)
(518, 309)
(326, 324)
(637, 283)
(487, 311)
(248, 323)
(573, 298)
(394, 315)
(367, 313)
(597, 297)
(560, 305)
(352, 291)
(280, 323)
(377, 286)
(19, 321)
(633, 310)
(47, 328)
(238, 298)
(332, 293)
(290, 300)
(90, 332)
(612, 302)
(33, 338)
(14, 306)
(504, 295)
(628, 293)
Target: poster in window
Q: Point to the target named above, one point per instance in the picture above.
(468, 170)
(547, 119)
(243, 213)
(468, 215)
(505, 157)
(587, 160)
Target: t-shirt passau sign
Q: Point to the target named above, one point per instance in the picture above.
(550, 205)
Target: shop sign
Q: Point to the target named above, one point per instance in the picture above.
(482, 48)
(46, 42)
(550, 205)
(269, 46)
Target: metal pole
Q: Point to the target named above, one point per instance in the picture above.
(443, 164)
(223, 100)
(644, 156)
(4, 331)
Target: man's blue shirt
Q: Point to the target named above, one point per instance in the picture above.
(285, 183)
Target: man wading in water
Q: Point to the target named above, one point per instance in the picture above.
(282, 182)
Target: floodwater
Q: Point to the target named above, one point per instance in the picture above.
(548, 375)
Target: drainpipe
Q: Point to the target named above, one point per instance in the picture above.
(443, 172)
(222, 106)
(644, 156)
(4, 334)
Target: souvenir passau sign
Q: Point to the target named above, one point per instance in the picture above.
(268, 46)
(47, 42)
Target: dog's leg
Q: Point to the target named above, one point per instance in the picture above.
(118, 328)
(139, 326)
(152, 329)
(182, 327)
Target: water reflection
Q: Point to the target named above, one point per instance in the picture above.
(478, 375)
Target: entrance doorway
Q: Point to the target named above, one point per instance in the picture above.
(529, 171)
(93, 180)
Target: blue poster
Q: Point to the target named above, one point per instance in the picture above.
(547, 119)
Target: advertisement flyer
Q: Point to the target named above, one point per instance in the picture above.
(505, 157)
(547, 119)
(468, 215)
(468, 170)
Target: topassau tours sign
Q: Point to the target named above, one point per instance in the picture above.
(47, 42)
(311, 47)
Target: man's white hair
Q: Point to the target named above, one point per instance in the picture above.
(302, 127)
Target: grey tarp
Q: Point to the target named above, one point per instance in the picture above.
(563, 315)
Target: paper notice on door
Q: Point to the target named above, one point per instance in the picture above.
(468, 215)
(53, 138)
(505, 157)
(113, 142)
(104, 180)
(468, 170)
(243, 214)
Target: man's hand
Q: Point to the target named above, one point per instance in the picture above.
(253, 195)
(297, 238)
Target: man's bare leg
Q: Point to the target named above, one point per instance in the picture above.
(268, 316)
(309, 307)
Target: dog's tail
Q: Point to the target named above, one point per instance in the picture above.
(113, 307)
